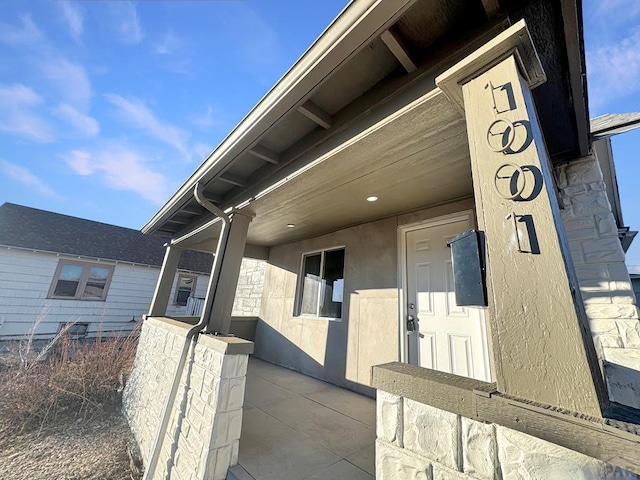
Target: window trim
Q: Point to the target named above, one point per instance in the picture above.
(193, 288)
(299, 284)
(82, 282)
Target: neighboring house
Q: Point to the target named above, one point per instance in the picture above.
(56, 269)
(426, 189)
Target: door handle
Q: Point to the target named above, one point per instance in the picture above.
(411, 324)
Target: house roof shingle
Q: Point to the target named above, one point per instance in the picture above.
(36, 229)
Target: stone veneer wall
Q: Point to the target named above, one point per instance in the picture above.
(604, 281)
(204, 430)
(421, 442)
(249, 291)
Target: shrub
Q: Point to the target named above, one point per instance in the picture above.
(73, 378)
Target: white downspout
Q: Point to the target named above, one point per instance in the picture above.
(191, 334)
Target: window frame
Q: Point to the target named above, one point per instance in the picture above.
(193, 288)
(82, 282)
(297, 312)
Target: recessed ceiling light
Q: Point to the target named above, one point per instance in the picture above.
(291, 225)
(372, 198)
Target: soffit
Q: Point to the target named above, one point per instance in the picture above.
(412, 159)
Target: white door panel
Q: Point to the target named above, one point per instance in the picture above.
(449, 337)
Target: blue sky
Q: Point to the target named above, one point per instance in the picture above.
(107, 106)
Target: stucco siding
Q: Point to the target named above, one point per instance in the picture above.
(341, 352)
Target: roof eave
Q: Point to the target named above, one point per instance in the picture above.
(355, 27)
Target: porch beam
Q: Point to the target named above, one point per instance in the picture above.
(542, 347)
(265, 154)
(491, 7)
(399, 50)
(236, 180)
(314, 113)
(222, 304)
(162, 294)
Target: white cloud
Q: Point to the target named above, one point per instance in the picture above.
(170, 44)
(255, 39)
(83, 123)
(26, 178)
(136, 114)
(614, 69)
(202, 150)
(205, 120)
(25, 34)
(121, 168)
(17, 115)
(173, 54)
(634, 268)
(126, 23)
(71, 79)
(72, 15)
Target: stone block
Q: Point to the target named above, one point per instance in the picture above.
(608, 341)
(223, 462)
(525, 457)
(603, 250)
(583, 171)
(592, 203)
(234, 366)
(440, 472)
(580, 228)
(235, 448)
(431, 432)
(592, 272)
(606, 225)
(230, 394)
(622, 372)
(575, 250)
(560, 175)
(393, 463)
(389, 417)
(618, 271)
(220, 430)
(235, 426)
(622, 292)
(479, 450)
(629, 331)
(611, 311)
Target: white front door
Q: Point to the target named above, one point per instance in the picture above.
(447, 337)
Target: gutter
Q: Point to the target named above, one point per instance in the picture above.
(192, 333)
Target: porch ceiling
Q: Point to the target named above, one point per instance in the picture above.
(419, 157)
(416, 157)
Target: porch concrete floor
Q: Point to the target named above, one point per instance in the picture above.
(297, 427)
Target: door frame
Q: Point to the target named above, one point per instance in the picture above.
(468, 215)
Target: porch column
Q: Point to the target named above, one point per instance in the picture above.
(225, 291)
(165, 282)
(542, 347)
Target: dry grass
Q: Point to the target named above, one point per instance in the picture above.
(72, 378)
(60, 410)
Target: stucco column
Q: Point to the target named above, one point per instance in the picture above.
(225, 290)
(542, 347)
(161, 295)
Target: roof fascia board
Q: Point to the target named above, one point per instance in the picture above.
(355, 27)
(577, 74)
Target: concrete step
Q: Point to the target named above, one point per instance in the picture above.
(238, 473)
